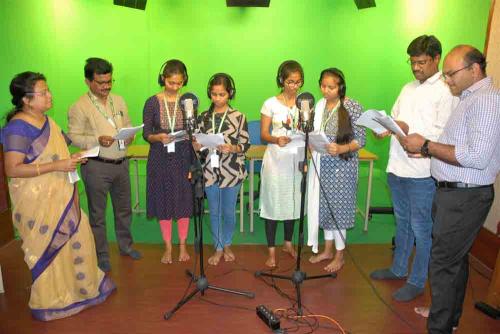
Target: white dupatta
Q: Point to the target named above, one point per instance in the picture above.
(313, 187)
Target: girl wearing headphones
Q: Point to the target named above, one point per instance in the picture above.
(224, 169)
(333, 205)
(280, 174)
(169, 194)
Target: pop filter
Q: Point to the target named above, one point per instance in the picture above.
(305, 103)
(189, 105)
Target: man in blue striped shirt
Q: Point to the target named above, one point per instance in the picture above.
(465, 162)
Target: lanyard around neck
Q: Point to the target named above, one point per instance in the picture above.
(96, 105)
(293, 114)
(325, 121)
(221, 121)
(290, 111)
(173, 119)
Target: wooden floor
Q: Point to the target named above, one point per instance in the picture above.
(147, 289)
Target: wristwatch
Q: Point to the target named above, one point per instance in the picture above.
(424, 150)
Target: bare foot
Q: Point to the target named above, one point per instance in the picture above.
(337, 263)
(422, 310)
(215, 258)
(288, 248)
(167, 256)
(228, 254)
(183, 254)
(321, 257)
(271, 260)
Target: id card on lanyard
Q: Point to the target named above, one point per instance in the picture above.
(171, 122)
(111, 121)
(214, 157)
(324, 122)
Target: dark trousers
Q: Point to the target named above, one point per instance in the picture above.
(272, 225)
(458, 215)
(101, 178)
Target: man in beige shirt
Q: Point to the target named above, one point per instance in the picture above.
(94, 120)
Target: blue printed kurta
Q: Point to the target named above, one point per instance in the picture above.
(339, 178)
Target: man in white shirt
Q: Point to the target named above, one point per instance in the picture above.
(423, 106)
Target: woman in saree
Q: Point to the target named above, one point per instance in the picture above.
(56, 237)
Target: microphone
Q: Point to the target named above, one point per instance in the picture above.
(305, 103)
(189, 105)
(189, 108)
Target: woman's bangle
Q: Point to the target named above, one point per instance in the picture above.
(37, 169)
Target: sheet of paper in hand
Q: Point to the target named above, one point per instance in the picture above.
(209, 140)
(318, 141)
(126, 133)
(379, 122)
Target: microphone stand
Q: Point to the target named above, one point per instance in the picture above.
(298, 276)
(198, 188)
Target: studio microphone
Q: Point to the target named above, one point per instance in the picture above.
(305, 103)
(189, 105)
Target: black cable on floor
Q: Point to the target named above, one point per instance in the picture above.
(358, 267)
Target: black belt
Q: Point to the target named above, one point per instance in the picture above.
(109, 161)
(460, 185)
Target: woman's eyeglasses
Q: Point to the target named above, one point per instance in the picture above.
(41, 93)
(293, 83)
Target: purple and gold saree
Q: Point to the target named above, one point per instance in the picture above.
(56, 237)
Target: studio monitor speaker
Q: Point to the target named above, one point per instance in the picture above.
(137, 4)
(362, 4)
(247, 3)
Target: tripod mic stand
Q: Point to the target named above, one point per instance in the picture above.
(197, 181)
(298, 276)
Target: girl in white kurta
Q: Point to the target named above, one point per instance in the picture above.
(280, 175)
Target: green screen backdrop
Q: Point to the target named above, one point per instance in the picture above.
(56, 36)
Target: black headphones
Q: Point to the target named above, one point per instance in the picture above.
(338, 73)
(229, 83)
(279, 76)
(172, 62)
(280, 80)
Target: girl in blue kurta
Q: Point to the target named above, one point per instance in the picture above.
(337, 171)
